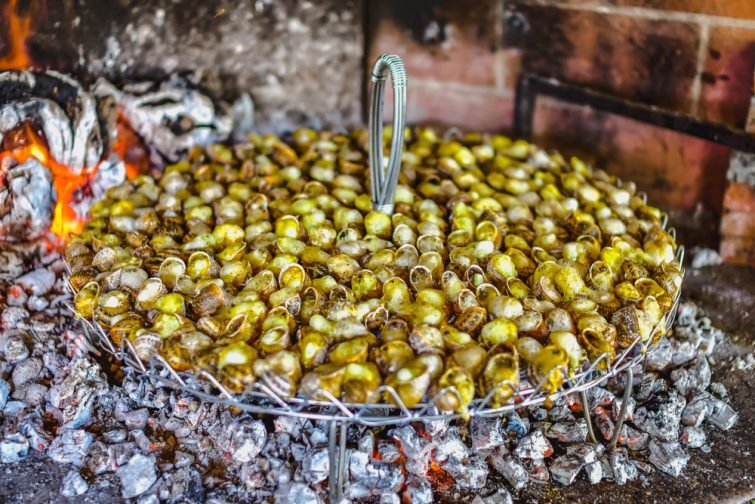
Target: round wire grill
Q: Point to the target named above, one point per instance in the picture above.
(266, 396)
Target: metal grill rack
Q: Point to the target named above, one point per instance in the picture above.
(264, 399)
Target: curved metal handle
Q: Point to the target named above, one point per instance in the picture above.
(383, 182)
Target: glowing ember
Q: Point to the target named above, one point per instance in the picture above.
(30, 145)
(27, 143)
(129, 147)
(19, 28)
(439, 476)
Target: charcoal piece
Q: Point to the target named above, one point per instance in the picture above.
(693, 378)
(511, 469)
(390, 498)
(419, 491)
(586, 452)
(718, 389)
(485, 432)
(622, 468)
(27, 198)
(721, 415)
(137, 476)
(366, 442)
(114, 436)
(668, 457)
(633, 439)
(565, 468)
(182, 459)
(70, 447)
(696, 410)
(598, 397)
(534, 446)
(559, 412)
(137, 419)
(693, 437)
(248, 440)
(660, 417)
(682, 351)
(73, 484)
(660, 356)
(594, 471)
(470, 474)
(37, 282)
(315, 466)
(295, 493)
(15, 350)
(26, 371)
(604, 423)
(4, 392)
(452, 447)
(369, 477)
(500, 496)
(568, 432)
(538, 470)
(616, 408)
(13, 448)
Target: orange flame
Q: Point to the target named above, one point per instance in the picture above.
(65, 221)
(29, 144)
(19, 28)
(129, 147)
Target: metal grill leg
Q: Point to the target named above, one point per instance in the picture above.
(629, 376)
(586, 413)
(337, 460)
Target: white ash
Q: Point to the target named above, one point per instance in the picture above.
(172, 116)
(27, 199)
(74, 484)
(61, 108)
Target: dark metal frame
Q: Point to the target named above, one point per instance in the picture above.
(530, 86)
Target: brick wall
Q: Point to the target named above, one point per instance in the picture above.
(693, 56)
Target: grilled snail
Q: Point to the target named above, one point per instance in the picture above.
(265, 265)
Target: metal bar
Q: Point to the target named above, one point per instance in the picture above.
(623, 410)
(524, 108)
(333, 472)
(530, 86)
(342, 461)
(586, 413)
(383, 182)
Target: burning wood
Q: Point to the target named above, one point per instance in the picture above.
(87, 142)
(157, 441)
(172, 116)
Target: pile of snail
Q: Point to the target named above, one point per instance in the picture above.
(264, 262)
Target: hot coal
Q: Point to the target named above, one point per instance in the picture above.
(61, 108)
(27, 199)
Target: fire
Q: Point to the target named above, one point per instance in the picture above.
(129, 147)
(19, 28)
(439, 476)
(29, 144)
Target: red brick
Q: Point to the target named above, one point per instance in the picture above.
(445, 41)
(675, 170)
(727, 78)
(445, 108)
(728, 8)
(738, 224)
(652, 61)
(740, 197)
(738, 251)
